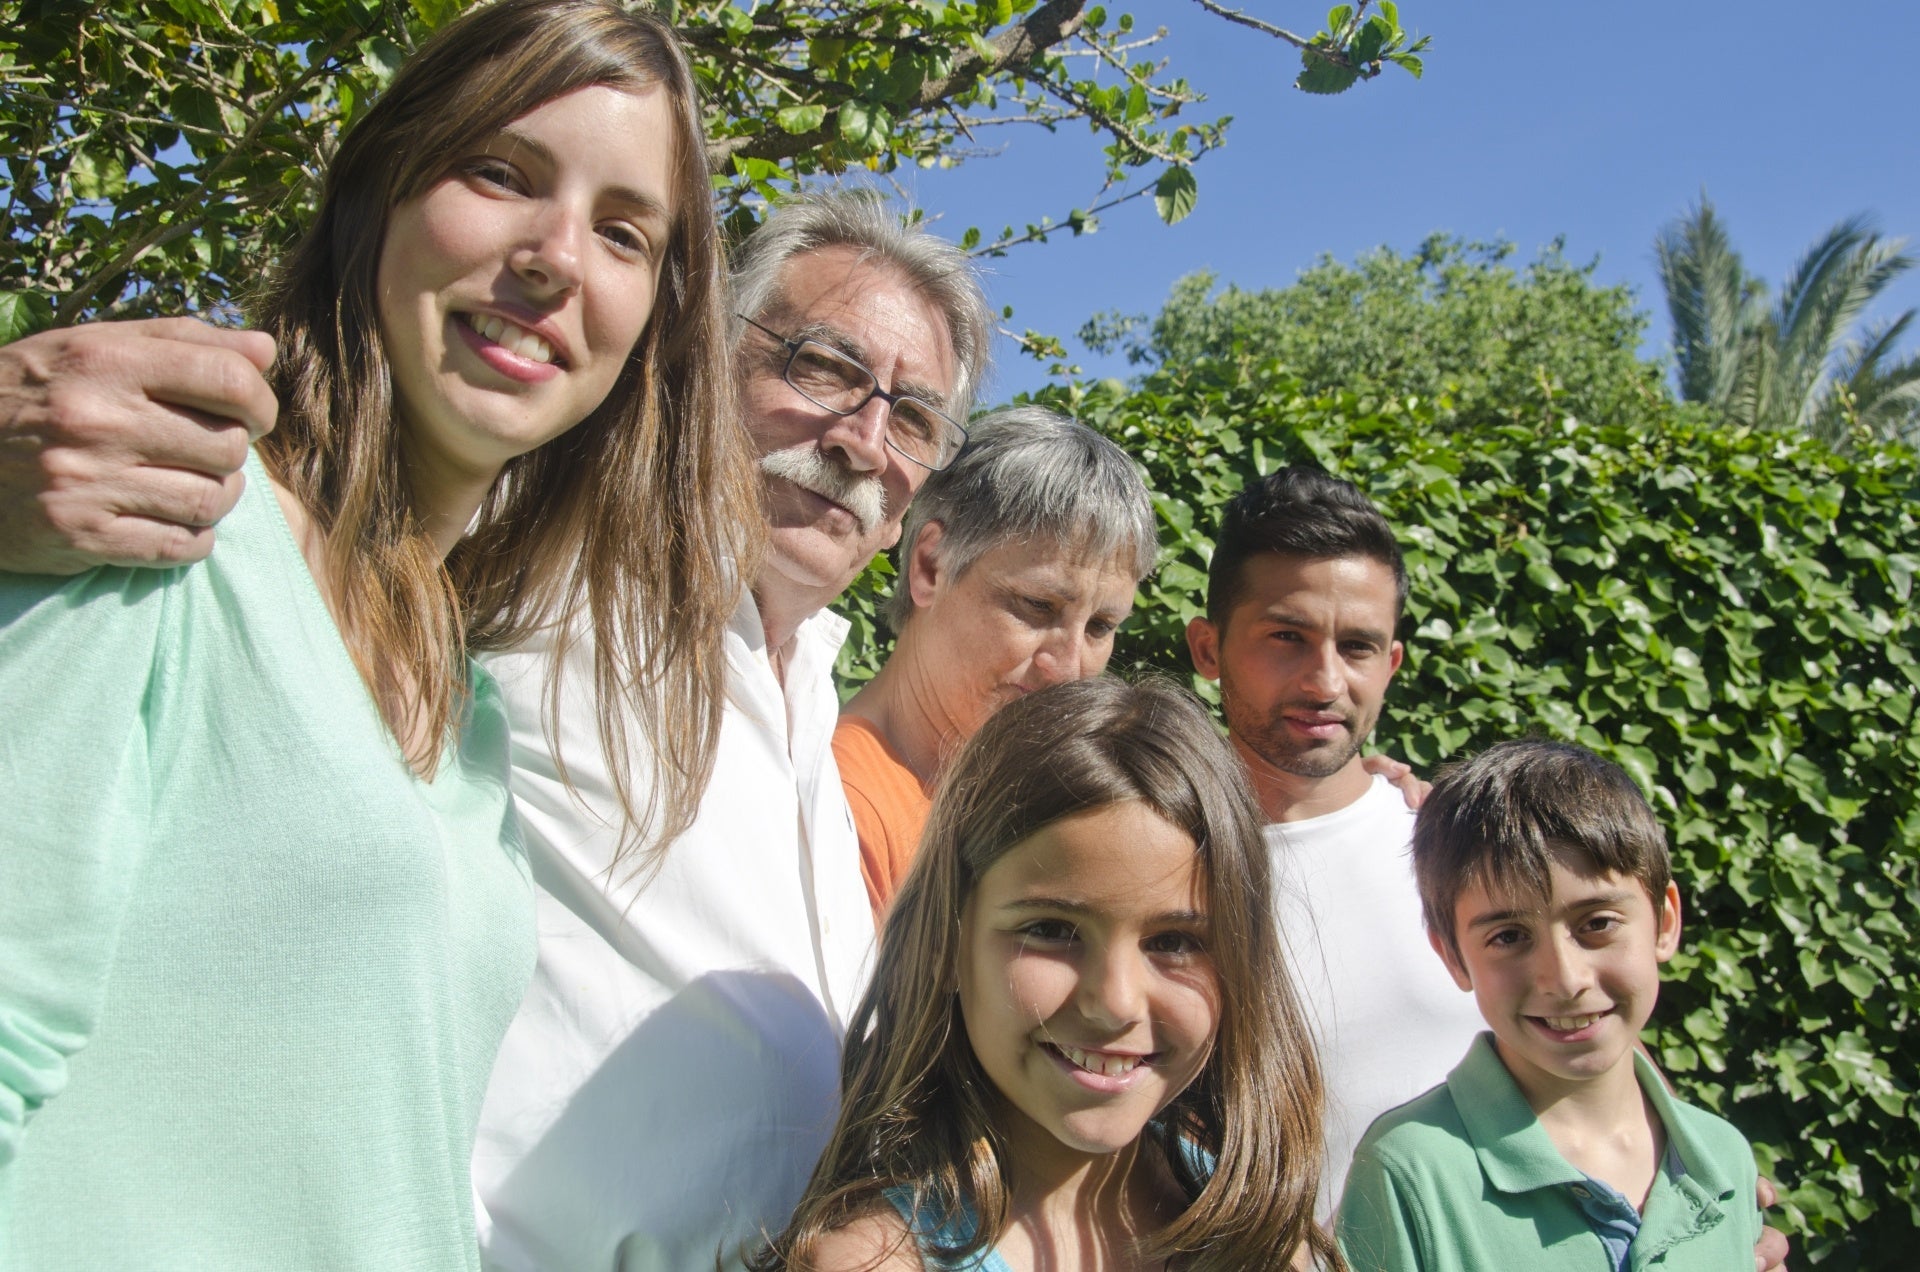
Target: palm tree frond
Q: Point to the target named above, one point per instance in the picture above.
(1710, 300)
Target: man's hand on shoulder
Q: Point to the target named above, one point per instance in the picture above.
(1412, 787)
(122, 443)
(1771, 1254)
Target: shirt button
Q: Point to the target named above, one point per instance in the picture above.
(1580, 1191)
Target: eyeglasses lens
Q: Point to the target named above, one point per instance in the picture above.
(827, 377)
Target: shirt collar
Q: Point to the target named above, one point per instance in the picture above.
(1514, 1149)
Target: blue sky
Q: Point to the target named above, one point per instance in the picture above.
(1596, 122)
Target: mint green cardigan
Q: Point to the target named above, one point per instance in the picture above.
(1465, 1179)
(253, 971)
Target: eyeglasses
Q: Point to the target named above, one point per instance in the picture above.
(834, 382)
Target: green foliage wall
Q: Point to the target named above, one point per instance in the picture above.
(1729, 616)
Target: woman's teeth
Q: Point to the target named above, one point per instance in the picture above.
(1568, 1024)
(1109, 1066)
(511, 338)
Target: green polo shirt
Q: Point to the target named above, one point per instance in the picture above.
(1465, 1177)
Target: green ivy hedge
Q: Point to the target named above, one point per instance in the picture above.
(1729, 616)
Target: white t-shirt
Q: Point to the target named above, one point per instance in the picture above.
(1388, 1018)
(674, 1071)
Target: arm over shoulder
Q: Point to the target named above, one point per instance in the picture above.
(76, 660)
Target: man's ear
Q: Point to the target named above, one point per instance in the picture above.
(1454, 969)
(1396, 653)
(922, 564)
(1666, 941)
(1203, 642)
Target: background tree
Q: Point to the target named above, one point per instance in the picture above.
(1454, 324)
(1798, 364)
(158, 151)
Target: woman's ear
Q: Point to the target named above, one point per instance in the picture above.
(924, 574)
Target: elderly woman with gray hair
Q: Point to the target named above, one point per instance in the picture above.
(1017, 564)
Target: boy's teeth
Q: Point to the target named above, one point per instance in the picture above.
(1105, 1065)
(514, 339)
(1567, 1024)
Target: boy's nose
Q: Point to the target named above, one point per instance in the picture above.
(1563, 968)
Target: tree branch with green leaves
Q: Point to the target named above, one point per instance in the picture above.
(160, 152)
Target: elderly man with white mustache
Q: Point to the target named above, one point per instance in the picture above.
(674, 1071)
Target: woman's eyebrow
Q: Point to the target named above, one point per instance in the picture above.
(639, 200)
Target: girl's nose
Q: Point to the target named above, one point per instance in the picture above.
(1113, 989)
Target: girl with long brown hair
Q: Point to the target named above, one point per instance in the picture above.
(1081, 1048)
(264, 913)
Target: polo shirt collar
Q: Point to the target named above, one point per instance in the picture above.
(1518, 1156)
(1515, 1151)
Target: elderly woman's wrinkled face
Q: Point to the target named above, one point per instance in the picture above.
(1023, 616)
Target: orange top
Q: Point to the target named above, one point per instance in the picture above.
(889, 807)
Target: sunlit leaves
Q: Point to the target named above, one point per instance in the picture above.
(160, 151)
(1174, 194)
(22, 314)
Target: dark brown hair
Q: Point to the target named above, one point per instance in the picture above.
(1301, 512)
(639, 523)
(917, 1110)
(1502, 818)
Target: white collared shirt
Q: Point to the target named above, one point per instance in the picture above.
(673, 1074)
(1387, 1016)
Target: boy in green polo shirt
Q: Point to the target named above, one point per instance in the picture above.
(1554, 1144)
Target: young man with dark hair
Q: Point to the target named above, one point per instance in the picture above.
(1303, 598)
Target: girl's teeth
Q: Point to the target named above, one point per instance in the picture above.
(514, 339)
(1105, 1065)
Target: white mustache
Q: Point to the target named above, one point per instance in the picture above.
(807, 468)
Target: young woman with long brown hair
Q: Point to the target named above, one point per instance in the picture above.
(263, 910)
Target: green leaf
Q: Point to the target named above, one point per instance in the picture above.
(1407, 62)
(1337, 19)
(1322, 77)
(800, 119)
(382, 57)
(1174, 194)
(825, 52)
(97, 178)
(22, 314)
(436, 13)
(865, 127)
(1372, 36)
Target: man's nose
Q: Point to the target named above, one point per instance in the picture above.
(861, 436)
(1325, 675)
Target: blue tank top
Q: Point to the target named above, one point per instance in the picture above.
(933, 1233)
